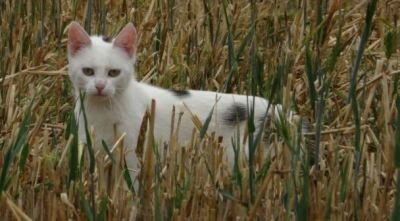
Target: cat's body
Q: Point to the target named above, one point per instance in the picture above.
(116, 102)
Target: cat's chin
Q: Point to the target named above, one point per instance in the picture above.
(99, 97)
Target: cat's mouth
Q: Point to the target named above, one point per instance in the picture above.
(99, 95)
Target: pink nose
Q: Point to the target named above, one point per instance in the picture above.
(100, 86)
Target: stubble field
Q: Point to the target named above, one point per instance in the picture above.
(335, 63)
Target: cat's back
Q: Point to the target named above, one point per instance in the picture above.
(228, 108)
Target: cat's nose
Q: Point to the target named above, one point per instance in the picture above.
(100, 86)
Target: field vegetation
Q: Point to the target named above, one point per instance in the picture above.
(334, 63)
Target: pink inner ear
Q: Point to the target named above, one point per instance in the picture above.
(77, 38)
(126, 40)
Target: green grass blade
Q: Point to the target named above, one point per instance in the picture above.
(101, 216)
(390, 40)
(237, 174)
(397, 141)
(324, 92)
(371, 7)
(264, 170)
(88, 19)
(128, 179)
(320, 113)
(231, 52)
(246, 41)
(16, 146)
(73, 158)
(396, 207)
(92, 159)
(109, 154)
(4, 171)
(330, 65)
(310, 77)
(252, 148)
(23, 156)
(282, 126)
(89, 144)
(344, 172)
(86, 207)
(302, 208)
(206, 123)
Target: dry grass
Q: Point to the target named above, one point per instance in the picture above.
(298, 53)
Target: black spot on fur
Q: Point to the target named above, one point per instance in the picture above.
(180, 93)
(107, 39)
(235, 114)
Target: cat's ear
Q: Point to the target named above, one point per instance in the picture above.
(77, 38)
(126, 40)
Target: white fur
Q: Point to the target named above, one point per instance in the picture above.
(126, 101)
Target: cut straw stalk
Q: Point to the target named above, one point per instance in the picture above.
(194, 51)
(17, 211)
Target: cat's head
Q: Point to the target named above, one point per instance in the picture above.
(98, 66)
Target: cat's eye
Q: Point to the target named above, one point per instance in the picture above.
(114, 72)
(88, 71)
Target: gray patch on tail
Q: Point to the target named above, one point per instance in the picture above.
(235, 114)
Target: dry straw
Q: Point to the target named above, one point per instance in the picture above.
(334, 62)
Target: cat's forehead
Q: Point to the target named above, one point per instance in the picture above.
(102, 48)
(101, 53)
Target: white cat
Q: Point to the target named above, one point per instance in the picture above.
(104, 70)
